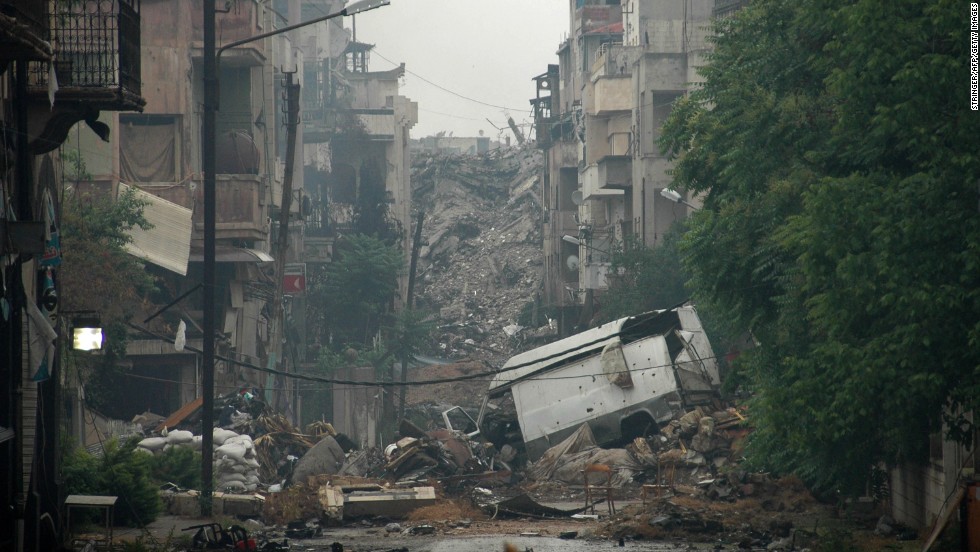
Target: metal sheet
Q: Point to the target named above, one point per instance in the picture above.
(168, 243)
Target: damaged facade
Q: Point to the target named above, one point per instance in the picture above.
(158, 154)
(354, 134)
(598, 114)
(60, 63)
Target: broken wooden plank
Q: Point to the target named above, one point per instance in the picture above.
(180, 414)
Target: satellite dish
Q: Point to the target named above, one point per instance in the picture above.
(577, 197)
(572, 262)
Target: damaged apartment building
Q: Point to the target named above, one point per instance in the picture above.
(157, 154)
(598, 113)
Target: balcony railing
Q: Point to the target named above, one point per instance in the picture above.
(97, 48)
(240, 212)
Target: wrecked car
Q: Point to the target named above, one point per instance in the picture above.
(624, 378)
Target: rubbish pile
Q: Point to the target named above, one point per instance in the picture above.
(442, 455)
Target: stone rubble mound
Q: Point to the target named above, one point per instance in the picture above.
(480, 264)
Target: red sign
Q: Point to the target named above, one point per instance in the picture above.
(294, 279)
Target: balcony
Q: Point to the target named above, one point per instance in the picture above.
(321, 124)
(611, 81)
(241, 212)
(609, 177)
(98, 54)
(96, 68)
(24, 30)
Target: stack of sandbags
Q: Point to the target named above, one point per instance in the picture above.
(236, 468)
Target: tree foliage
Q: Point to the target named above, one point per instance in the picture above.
(98, 274)
(358, 289)
(643, 279)
(121, 471)
(837, 156)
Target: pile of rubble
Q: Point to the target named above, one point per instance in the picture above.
(481, 262)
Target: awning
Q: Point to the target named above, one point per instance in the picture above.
(168, 242)
(231, 254)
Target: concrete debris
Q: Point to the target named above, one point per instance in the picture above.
(342, 502)
(481, 264)
(326, 457)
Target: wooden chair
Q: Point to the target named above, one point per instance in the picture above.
(600, 489)
(664, 485)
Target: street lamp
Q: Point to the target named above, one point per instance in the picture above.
(677, 198)
(210, 62)
(86, 332)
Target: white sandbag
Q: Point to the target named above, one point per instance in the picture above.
(144, 450)
(226, 477)
(251, 487)
(153, 443)
(179, 437)
(220, 435)
(233, 487)
(234, 451)
(251, 463)
(251, 479)
(235, 468)
(195, 443)
(244, 440)
(222, 464)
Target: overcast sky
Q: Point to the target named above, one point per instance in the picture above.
(484, 50)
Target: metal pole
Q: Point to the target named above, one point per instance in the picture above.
(278, 330)
(208, 167)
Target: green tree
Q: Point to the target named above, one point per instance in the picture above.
(642, 279)
(98, 274)
(408, 335)
(836, 153)
(358, 289)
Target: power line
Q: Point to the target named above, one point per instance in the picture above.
(455, 379)
(444, 89)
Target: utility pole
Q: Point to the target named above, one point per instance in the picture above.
(410, 298)
(208, 167)
(278, 333)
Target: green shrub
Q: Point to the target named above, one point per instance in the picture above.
(121, 471)
(180, 466)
